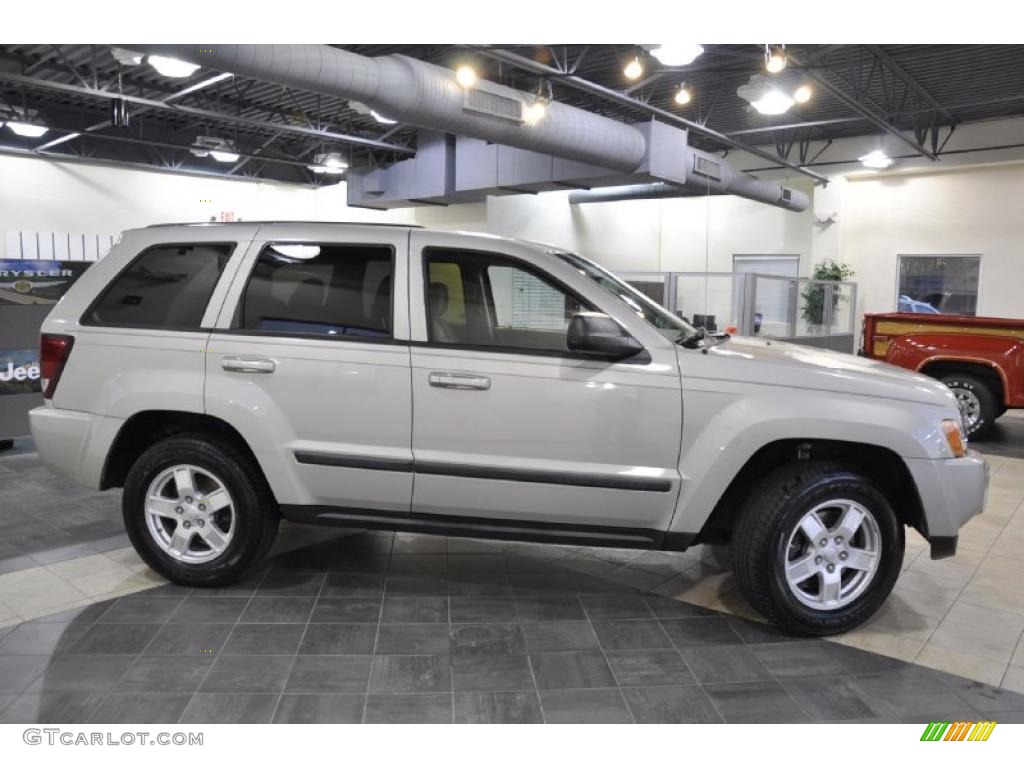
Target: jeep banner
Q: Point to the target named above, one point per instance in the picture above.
(37, 282)
(19, 371)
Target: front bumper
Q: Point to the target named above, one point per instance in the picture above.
(952, 491)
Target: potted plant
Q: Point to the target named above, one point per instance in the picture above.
(813, 294)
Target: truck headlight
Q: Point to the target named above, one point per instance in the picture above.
(953, 430)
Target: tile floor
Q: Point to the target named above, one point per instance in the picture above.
(64, 563)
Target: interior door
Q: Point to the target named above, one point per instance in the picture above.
(507, 423)
(310, 362)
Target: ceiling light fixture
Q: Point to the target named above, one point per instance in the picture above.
(876, 158)
(775, 58)
(677, 54)
(330, 163)
(169, 67)
(803, 94)
(765, 96)
(683, 95)
(126, 57)
(534, 111)
(465, 76)
(381, 119)
(634, 70)
(28, 130)
(224, 155)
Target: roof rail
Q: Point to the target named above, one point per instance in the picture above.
(242, 223)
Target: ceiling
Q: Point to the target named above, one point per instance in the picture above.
(858, 90)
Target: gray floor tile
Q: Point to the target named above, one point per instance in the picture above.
(409, 708)
(419, 544)
(502, 707)
(671, 704)
(560, 636)
(669, 608)
(354, 585)
(264, 640)
(320, 708)
(414, 610)
(762, 702)
(141, 708)
(915, 693)
(411, 586)
(141, 609)
(660, 667)
(631, 635)
(209, 610)
(187, 639)
(346, 610)
(278, 610)
(571, 669)
(248, 674)
(811, 658)
(832, 698)
(723, 664)
(63, 708)
(329, 674)
(412, 639)
(107, 639)
(549, 608)
(411, 674)
(80, 674)
(39, 638)
(338, 639)
(230, 708)
(487, 639)
(604, 607)
(757, 632)
(984, 697)
(475, 609)
(164, 674)
(593, 706)
(691, 632)
(291, 583)
(427, 565)
(493, 672)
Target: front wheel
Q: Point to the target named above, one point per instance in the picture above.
(198, 510)
(817, 548)
(978, 404)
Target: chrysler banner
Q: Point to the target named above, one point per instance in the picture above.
(37, 282)
(19, 371)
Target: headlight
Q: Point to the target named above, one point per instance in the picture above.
(955, 436)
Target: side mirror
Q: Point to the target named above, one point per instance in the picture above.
(598, 334)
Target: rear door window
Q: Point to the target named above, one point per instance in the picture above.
(322, 290)
(166, 286)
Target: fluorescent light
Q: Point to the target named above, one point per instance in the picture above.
(683, 95)
(326, 169)
(773, 102)
(30, 130)
(381, 119)
(802, 94)
(677, 54)
(775, 60)
(169, 67)
(634, 70)
(223, 156)
(330, 163)
(465, 76)
(876, 158)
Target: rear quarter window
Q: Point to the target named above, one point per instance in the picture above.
(166, 286)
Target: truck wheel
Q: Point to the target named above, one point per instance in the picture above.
(198, 510)
(817, 548)
(978, 404)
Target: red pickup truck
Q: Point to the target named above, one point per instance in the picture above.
(980, 358)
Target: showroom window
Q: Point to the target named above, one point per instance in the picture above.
(320, 290)
(167, 286)
(939, 284)
(489, 300)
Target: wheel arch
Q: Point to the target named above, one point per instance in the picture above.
(878, 463)
(939, 366)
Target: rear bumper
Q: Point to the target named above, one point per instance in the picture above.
(73, 444)
(952, 491)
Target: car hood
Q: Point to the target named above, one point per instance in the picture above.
(778, 363)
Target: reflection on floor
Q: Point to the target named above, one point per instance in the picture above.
(62, 549)
(375, 627)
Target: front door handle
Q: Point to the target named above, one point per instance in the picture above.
(248, 364)
(459, 381)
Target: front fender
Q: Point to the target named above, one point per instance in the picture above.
(713, 457)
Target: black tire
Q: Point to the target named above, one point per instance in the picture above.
(987, 400)
(762, 532)
(257, 515)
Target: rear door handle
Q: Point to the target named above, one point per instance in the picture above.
(248, 364)
(459, 381)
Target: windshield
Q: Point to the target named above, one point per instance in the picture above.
(671, 327)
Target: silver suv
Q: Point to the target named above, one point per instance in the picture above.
(392, 377)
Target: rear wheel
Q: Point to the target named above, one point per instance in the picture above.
(979, 406)
(817, 548)
(198, 510)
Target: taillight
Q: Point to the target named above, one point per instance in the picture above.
(54, 351)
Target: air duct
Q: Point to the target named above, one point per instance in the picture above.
(420, 94)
